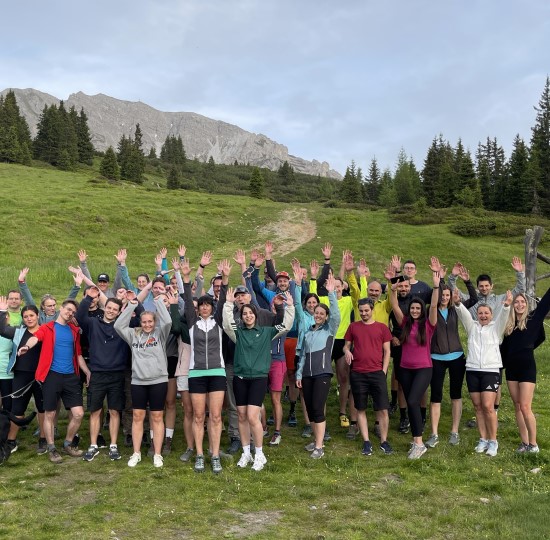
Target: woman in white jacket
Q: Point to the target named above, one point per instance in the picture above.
(483, 366)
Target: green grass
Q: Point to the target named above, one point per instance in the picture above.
(49, 215)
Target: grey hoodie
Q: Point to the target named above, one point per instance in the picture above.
(149, 364)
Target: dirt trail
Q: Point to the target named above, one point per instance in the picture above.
(294, 229)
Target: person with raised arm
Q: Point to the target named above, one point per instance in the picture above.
(483, 365)
(418, 327)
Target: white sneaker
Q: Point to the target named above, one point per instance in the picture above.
(158, 460)
(135, 458)
(417, 451)
(245, 460)
(259, 461)
(492, 448)
(481, 446)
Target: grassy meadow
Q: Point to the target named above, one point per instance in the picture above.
(450, 493)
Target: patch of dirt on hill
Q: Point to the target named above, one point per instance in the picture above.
(292, 230)
(252, 523)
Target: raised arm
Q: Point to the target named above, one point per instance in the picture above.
(229, 326)
(395, 304)
(23, 287)
(518, 266)
(435, 298)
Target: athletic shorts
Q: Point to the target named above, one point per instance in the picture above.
(207, 384)
(276, 376)
(19, 405)
(172, 365)
(66, 387)
(108, 384)
(371, 384)
(290, 352)
(249, 391)
(482, 381)
(152, 395)
(183, 383)
(520, 368)
(338, 349)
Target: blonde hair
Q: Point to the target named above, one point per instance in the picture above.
(514, 321)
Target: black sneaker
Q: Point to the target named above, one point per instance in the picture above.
(404, 426)
(386, 448)
(12, 445)
(101, 442)
(234, 446)
(91, 453)
(367, 448)
(114, 454)
(292, 422)
(270, 421)
(42, 446)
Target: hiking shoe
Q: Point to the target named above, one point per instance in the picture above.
(433, 441)
(307, 431)
(367, 448)
(54, 456)
(310, 447)
(245, 460)
(326, 436)
(234, 446)
(344, 420)
(481, 446)
(533, 449)
(472, 423)
(128, 442)
(377, 433)
(522, 448)
(73, 451)
(92, 452)
(454, 438)
(353, 431)
(187, 455)
(199, 464)
(76, 440)
(317, 453)
(386, 448)
(275, 440)
(101, 442)
(158, 461)
(135, 458)
(417, 451)
(270, 421)
(167, 446)
(492, 448)
(12, 445)
(114, 454)
(259, 462)
(404, 426)
(216, 465)
(292, 422)
(42, 446)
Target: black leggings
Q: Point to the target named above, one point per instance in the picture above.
(6, 390)
(315, 391)
(457, 369)
(415, 382)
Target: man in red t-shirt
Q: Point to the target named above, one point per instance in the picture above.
(369, 366)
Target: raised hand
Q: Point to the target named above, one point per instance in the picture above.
(363, 269)
(175, 264)
(240, 257)
(206, 258)
(224, 267)
(456, 296)
(347, 259)
(509, 298)
(268, 249)
(296, 268)
(82, 256)
(182, 250)
(436, 278)
(389, 272)
(288, 298)
(396, 262)
(131, 296)
(456, 269)
(93, 292)
(185, 269)
(74, 269)
(259, 260)
(230, 296)
(3, 303)
(463, 273)
(163, 252)
(314, 268)
(172, 297)
(435, 265)
(158, 261)
(517, 265)
(326, 250)
(78, 278)
(330, 283)
(121, 256)
(23, 274)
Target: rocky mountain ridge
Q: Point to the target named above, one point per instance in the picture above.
(110, 118)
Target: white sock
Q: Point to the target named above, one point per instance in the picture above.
(246, 450)
(259, 451)
(151, 434)
(169, 432)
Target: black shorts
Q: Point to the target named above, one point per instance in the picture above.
(66, 387)
(207, 384)
(371, 384)
(338, 349)
(153, 395)
(108, 384)
(482, 381)
(521, 368)
(172, 365)
(19, 405)
(249, 391)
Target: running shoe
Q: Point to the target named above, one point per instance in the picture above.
(454, 438)
(12, 445)
(533, 449)
(307, 431)
(481, 446)
(344, 420)
(54, 456)
(367, 448)
(259, 462)
(310, 447)
(158, 461)
(417, 451)
(187, 455)
(275, 440)
(114, 454)
(326, 436)
(216, 465)
(404, 426)
(135, 458)
(270, 421)
(317, 453)
(91, 453)
(522, 448)
(245, 460)
(492, 448)
(433, 441)
(199, 464)
(42, 446)
(292, 422)
(386, 448)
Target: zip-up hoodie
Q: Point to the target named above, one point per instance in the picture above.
(483, 341)
(315, 355)
(149, 364)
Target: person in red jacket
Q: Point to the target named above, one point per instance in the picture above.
(58, 370)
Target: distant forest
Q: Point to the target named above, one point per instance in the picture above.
(449, 177)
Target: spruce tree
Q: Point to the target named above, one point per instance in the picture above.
(372, 185)
(256, 187)
(15, 139)
(387, 196)
(174, 178)
(109, 165)
(351, 191)
(84, 141)
(403, 181)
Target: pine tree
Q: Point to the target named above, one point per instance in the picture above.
(540, 150)
(256, 187)
(519, 192)
(152, 153)
(286, 172)
(174, 178)
(438, 178)
(372, 184)
(85, 146)
(403, 181)
(109, 165)
(15, 138)
(387, 196)
(351, 191)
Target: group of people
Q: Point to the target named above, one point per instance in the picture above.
(139, 346)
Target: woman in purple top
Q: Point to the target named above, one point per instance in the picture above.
(418, 327)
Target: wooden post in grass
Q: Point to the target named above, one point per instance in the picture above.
(531, 241)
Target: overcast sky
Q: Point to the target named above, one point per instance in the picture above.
(333, 81)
